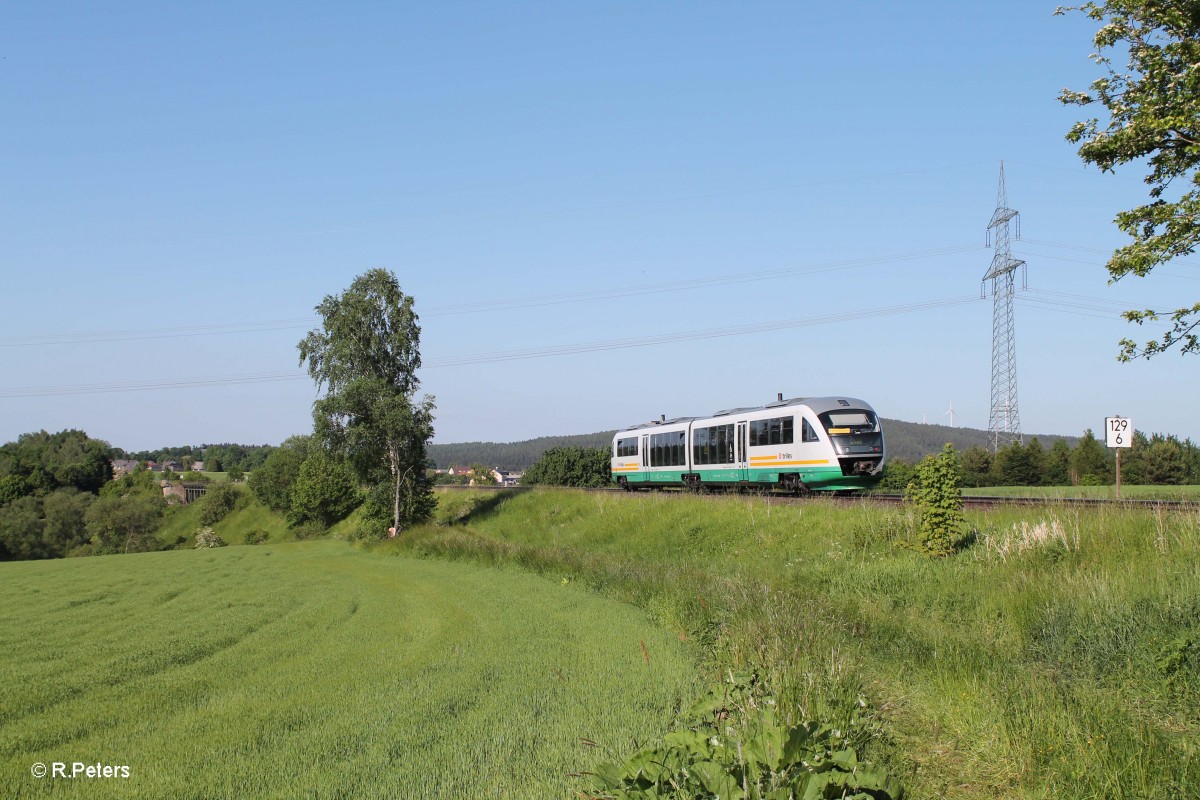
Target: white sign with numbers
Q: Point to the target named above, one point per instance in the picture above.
(1118, 432)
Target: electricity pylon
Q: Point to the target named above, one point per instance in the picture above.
(1004, 422)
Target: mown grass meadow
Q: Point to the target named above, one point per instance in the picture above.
(1058, 656)
(317, 669)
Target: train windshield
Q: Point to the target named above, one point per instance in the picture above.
(850, 421)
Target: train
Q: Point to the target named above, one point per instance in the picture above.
(830, 444)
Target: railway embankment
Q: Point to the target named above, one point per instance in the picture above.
(1057, 653)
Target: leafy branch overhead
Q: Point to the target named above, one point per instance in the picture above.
(1153, 106)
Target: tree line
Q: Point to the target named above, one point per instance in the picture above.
(1156, 459)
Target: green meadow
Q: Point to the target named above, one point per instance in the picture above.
(523, 637)
(1056, 656)
(317, 669)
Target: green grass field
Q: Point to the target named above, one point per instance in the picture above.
(1057, 657)
(1129, 492)
(316, 669)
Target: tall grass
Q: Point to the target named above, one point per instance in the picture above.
(1059, 656)
(315, 669)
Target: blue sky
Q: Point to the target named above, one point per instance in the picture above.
(182, 184)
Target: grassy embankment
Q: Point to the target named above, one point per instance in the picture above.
(1128, 492)
(319, 669)
(1057, 657)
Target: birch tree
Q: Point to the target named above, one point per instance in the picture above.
(365, 356)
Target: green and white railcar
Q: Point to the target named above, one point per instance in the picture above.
(813, 443)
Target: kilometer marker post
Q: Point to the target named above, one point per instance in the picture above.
(1118, 434)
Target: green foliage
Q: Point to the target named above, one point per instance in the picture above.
(1057, 465)
(1028, 677)
(897, 474)
(737, 745)
(139, 481)
(1090, 462)
(21, 529)
(1018, 465)
(272, 482)
(1153, 104)
(124, 524)
(938, 499)
(218, 501)
(511, 455)
(38, 463)
(570, 466)
(482, 475)
(12, 487)
(976, 464)
(64, 516)
(44, 527)
(256, 536)
(205, 538)
(325, 490)
(366, 354)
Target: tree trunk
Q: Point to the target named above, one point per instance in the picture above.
(393, 461)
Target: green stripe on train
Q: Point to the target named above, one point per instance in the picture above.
(813, 477)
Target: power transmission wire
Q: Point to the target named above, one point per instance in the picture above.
(489, 305)
(488, 358)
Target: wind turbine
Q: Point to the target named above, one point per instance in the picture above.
(950, 413)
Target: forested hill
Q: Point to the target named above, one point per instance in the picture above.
(910, 441)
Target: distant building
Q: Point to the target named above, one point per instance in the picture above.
(459, 471)
(198, 466)
(123, 466)
(183, 493)
(506, 478)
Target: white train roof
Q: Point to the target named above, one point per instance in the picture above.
(819, 405)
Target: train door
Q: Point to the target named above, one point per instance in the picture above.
(645, 459)
(740, 453)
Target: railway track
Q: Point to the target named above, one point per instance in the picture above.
(977, 502)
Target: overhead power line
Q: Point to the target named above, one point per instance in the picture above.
(588, 295)
(487, 358)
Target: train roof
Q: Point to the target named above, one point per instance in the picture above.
(819, 405)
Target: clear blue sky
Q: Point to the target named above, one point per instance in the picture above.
(198, 177)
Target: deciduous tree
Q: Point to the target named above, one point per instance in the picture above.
(1153, 110)
(571, 466)
(366, 355)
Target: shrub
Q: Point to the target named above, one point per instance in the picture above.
(936, 494)
(216, 503)
(735, 745)
(570, 466)
(206, 538)
(256, 536)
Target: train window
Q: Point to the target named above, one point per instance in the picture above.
(713, 445)
(627, 447)
(771, 431)
(668, 449)
(809, 434)
(853, 421)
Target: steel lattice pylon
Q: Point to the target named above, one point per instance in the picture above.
(1004, 421)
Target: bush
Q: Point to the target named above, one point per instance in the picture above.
(206, 538)
(736, 745)
(938, 498)
(256, 536)
(324, 491)
(571, 466)
(216, 503)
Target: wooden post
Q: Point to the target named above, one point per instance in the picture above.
(1118, 473)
